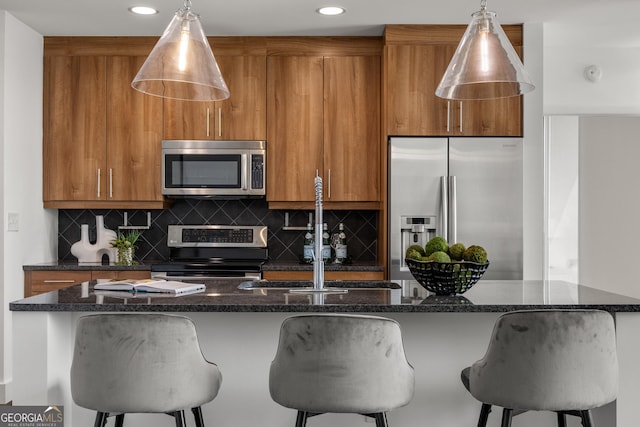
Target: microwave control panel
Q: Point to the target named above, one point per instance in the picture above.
(257, 171)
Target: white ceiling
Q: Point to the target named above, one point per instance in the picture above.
(600, 21)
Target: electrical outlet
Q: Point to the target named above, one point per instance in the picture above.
(13, 221)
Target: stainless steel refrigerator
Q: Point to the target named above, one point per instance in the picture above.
(466, 190)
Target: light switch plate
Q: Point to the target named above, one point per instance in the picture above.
(13, 221)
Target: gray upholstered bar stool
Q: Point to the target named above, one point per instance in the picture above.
(341, 364)
(141, 363)
(548, 360)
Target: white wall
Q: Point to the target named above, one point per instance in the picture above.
(609, 241)
(608, 156)
(21, 51)
(533, 178)
(569, 48)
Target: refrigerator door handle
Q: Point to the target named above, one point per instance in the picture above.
(453, 210)
(444, 206)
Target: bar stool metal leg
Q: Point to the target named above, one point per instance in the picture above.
(507, 414)
(587, 420)
(101, 419)
(301, 419)
(484, 415)
(197, 416)
(381, 419)
(562, 419)
(180, 420)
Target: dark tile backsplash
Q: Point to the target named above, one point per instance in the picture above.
(284, 245)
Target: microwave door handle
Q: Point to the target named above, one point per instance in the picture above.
(244, 169)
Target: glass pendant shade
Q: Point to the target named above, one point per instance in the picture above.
(485, 65)
(181, 65)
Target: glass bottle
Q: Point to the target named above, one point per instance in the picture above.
(326, 244)
(341, 245)
(307, 249)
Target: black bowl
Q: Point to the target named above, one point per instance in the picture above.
(446, 278)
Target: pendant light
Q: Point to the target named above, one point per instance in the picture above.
(485, 65)
(181, 65)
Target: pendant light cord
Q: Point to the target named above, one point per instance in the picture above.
(483, 5)
(187, 5)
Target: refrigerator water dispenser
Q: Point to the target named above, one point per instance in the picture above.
(415, 230)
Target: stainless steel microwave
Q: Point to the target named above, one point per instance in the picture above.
(217, 169)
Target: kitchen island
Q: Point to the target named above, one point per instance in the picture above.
(238, 329)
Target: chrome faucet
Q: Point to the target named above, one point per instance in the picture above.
(318, 262)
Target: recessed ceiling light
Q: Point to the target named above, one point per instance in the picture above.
(143, 10)
(331, 10)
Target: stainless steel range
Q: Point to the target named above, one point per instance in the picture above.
(214, 251)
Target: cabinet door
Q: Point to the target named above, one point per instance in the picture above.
(414, 72)
(134, 138)
(241, 116)
(492, 117)
(352, 128)
(188, 119)
(294, 126)
(74, 128)
(244, 114)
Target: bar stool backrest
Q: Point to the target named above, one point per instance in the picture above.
(341, 364)
(140, 363)
(553, 360)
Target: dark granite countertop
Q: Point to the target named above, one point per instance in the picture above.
(146, 266)
(75, 266)
(224, 296)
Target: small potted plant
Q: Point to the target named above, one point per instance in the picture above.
(125, 246)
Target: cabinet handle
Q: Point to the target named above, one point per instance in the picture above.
(110, 183)
(98, 183)
(208, 126)
(59, 281)
(219, 121)
(460, 116)
(448, 116)
(329, 186)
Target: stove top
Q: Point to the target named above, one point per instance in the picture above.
(214, 251)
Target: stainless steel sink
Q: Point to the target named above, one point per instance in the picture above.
(308, 284)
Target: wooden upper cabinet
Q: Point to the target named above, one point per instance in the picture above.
(240, 117)
(494, 117)
(351, 128)
(134, 135)
(323, 117)
(102, 139)
(294, 131)
(413, 74)
(74, 128)
(417, 57)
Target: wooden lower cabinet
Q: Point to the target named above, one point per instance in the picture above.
(41, 281)
(328, 275)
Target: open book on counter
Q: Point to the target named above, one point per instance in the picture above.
(151, 285)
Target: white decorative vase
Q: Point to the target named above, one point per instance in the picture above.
(93, 253)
